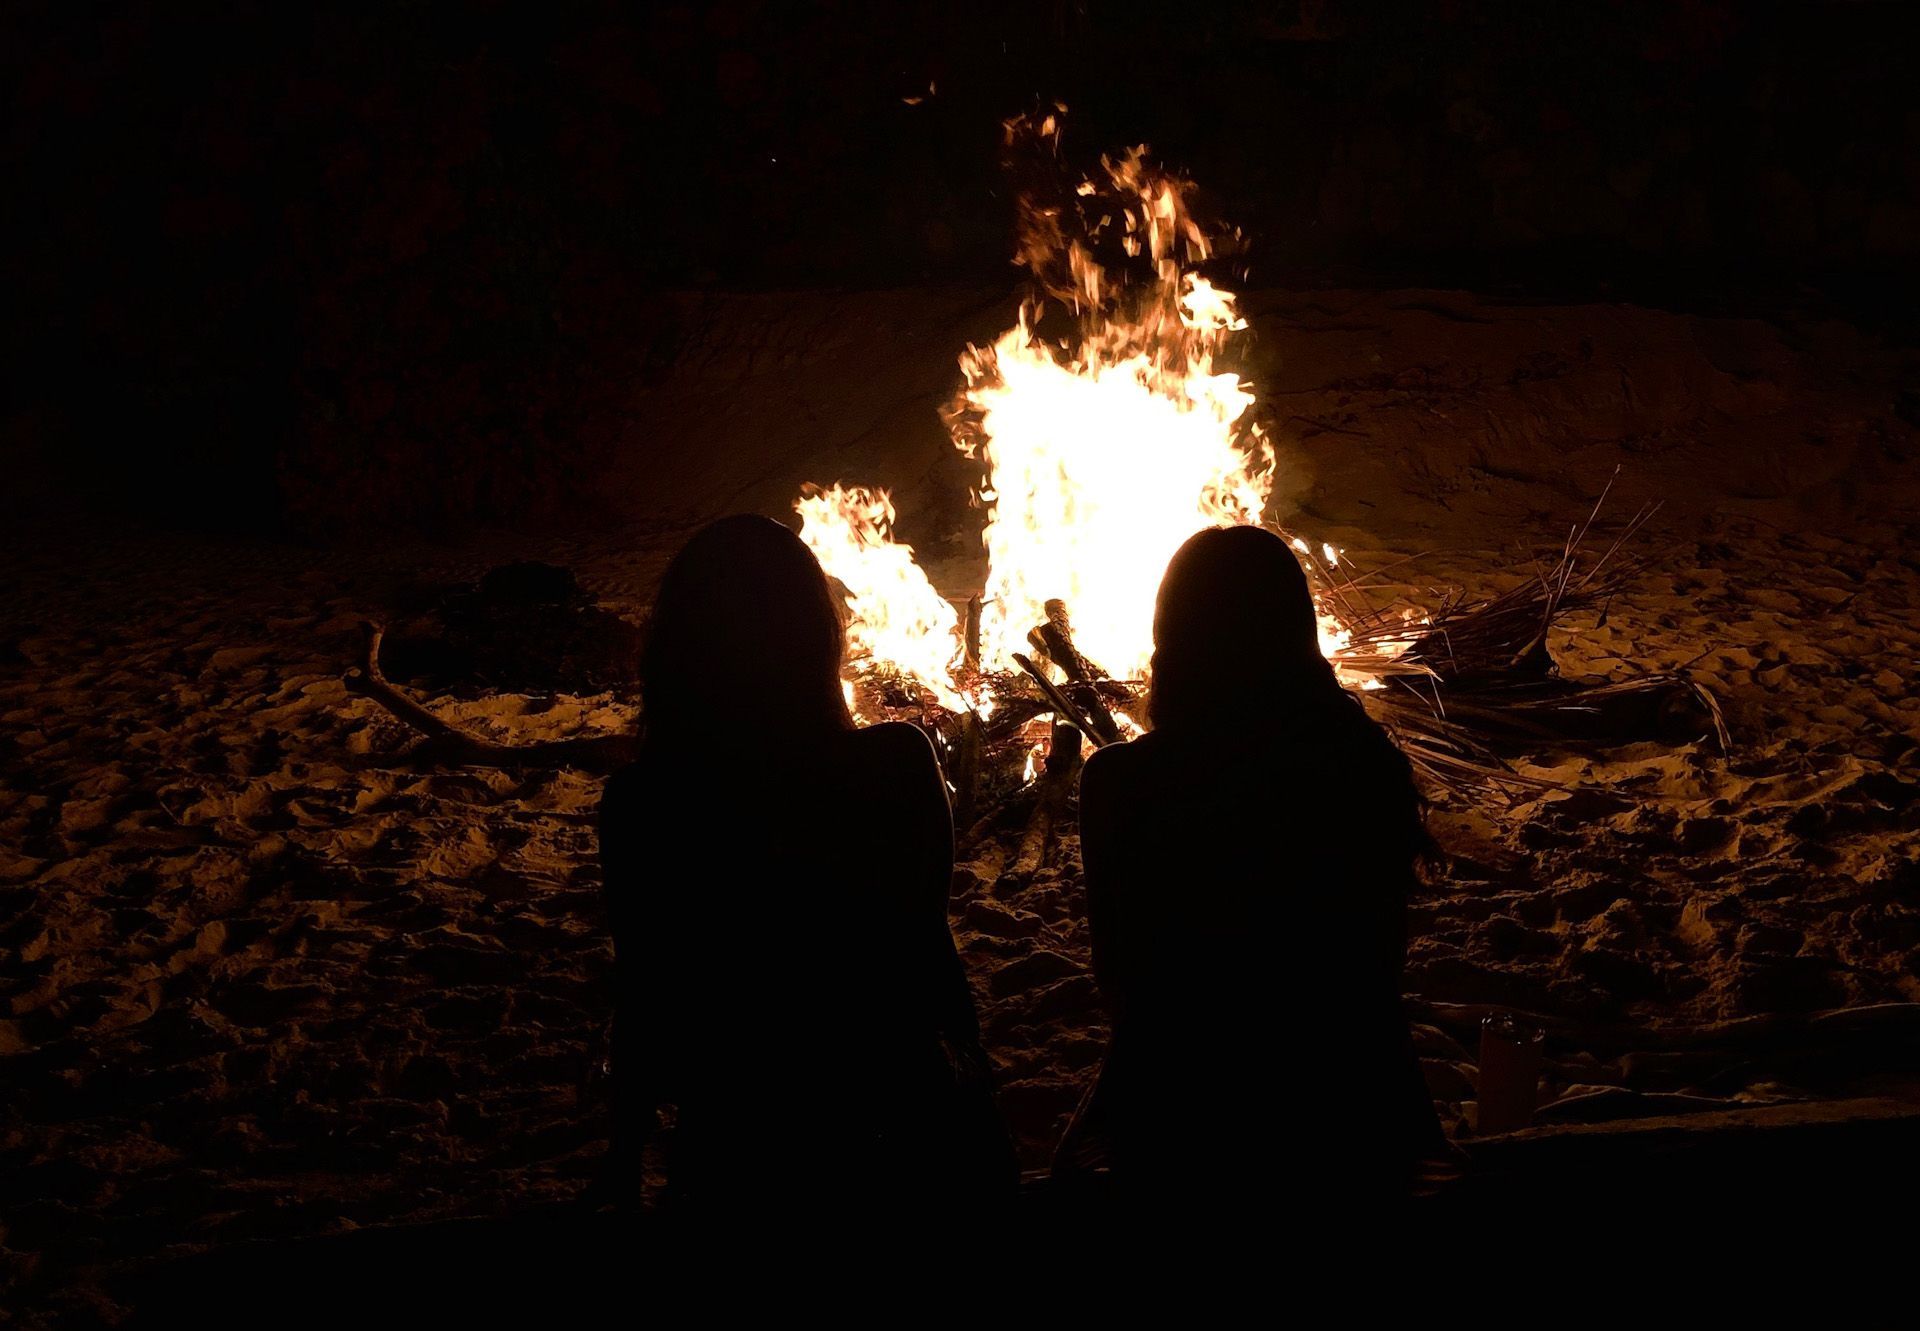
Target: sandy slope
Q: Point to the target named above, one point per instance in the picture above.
(259, 975)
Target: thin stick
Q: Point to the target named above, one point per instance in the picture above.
(449, 744)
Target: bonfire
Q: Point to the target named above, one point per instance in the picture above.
(1108, 427)
(1101, 448)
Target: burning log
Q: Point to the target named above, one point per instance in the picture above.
(1064, 707)
(1011, 715)
(1055, 639)
(966, 767)
(449, 744)
(1079, 710)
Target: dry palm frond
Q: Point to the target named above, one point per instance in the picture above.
(1475, 674)
(1494, 640)
(1456, 686)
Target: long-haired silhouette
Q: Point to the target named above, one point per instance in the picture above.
(777, 885)
(1248, 863)
(1234, 633)
(745, 640)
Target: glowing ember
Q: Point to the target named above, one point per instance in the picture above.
(1102, 452)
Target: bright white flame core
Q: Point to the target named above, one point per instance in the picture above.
(1099, 472)
(1099, 461)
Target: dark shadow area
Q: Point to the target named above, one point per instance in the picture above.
(1307, 935)
(308, 269)
(444, 326)
(824, 1063)
(1689, 1200)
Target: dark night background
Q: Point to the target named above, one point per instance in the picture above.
(303, 268)
(318, 314)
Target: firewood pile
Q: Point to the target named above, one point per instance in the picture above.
(1462, 689)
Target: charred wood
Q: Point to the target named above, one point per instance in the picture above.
(1066, 708)
(1052, 795)
(1054, 640)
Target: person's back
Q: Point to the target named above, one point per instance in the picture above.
(785, 971)
(1247, 930)
(778, 894)
(1247, 872)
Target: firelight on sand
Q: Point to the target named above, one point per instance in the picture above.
(1101, 453)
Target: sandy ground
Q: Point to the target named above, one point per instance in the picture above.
(261, 976)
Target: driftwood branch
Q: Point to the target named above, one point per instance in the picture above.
(449, 745)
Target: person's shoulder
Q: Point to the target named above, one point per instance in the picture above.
(1356, 755)
(896, 743)
(1361, 743)
(1119, 764)
(630, 784)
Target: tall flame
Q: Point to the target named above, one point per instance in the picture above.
(1101, 451)
(1100, 463)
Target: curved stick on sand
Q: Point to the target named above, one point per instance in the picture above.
(448, 744)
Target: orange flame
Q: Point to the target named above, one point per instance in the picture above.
(1101, 453)
(894, 616)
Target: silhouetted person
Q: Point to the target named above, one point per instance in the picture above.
(1247, 868)
(777, 884)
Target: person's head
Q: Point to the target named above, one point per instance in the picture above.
(745, 639)
(1234, 633)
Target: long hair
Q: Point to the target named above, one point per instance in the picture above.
(1236, 650)
(1235, 634)
(745, 640)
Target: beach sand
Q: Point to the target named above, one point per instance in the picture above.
(262, 976)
